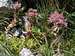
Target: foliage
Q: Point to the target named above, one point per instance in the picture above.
(41, 38)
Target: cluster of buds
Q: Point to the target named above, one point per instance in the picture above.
(32, 12)
(57, 19)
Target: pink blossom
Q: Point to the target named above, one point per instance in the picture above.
(16, 5)
(57, 19)
(32, 12)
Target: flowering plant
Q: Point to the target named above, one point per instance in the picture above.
(58, 21)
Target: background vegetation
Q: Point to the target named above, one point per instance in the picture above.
(41, 38)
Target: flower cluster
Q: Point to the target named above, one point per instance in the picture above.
(57, 19)
(32, 12)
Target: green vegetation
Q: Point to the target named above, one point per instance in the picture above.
(42, 38)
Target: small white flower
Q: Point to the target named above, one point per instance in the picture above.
(26, 52)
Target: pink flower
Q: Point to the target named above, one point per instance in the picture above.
(32, 12)
(57, 19)
(16, 5)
